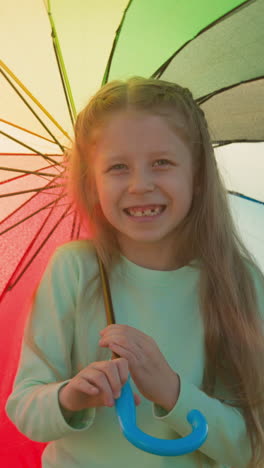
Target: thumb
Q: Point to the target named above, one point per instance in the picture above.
(137, 399)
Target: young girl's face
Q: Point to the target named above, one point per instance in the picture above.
(143, 174)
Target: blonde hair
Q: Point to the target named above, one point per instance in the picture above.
(232, 323)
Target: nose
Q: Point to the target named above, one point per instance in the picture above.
(141, 181)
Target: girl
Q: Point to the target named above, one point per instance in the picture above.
(188, 298)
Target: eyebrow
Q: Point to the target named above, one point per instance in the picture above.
(158, 153)
(153, 153)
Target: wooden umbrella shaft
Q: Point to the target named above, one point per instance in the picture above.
(110, 316)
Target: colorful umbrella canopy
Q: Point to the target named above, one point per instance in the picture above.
(56, 55)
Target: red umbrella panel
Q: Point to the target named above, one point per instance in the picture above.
(34, 230)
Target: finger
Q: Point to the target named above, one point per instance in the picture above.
(86, 387)
(111, 372)
(113, 337)
(121, 340)
(117, 330)
(122, 365)
(114, 327)
(131, 355)
(98, 378)
(137, 399)
(131, 346)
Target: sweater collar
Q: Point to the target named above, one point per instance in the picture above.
(165, 278)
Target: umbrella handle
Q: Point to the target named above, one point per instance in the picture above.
(126, 412)
(126, 409)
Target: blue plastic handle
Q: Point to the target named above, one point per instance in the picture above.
(126, 412)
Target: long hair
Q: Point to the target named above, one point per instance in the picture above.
(232, 323)
(234, 341)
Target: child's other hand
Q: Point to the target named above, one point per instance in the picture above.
(96, 385)
(153, 376)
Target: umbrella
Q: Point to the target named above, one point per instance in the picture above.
(55, 62)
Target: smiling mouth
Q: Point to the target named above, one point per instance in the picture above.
(148, 211)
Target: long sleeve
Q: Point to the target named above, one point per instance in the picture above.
(33, 405)
(227, 441)
(66, 327)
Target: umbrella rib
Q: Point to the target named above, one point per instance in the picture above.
(77, 225)
(78, 230)
(206, 97)
(73, 225)
(52, 194)
(69, 100)
(26, 130)
(29, 154)
(24, 175)
(24, 171)
(61, 67)
(29, 147)
(157, 74)
(48, 186)
(32, 110)
(223, 17)
(31, 215)
(218, 143)
(118, 31)
(29, 191)
(10, 285)
(32, 97)
(241, 195)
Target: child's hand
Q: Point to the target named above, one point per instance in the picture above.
(96, 385)
(149, 369)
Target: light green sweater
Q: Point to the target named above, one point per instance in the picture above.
(162, 304)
